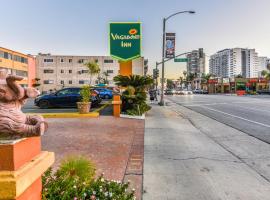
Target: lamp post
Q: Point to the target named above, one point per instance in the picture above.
(163, 52)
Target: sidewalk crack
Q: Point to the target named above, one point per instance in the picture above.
(200, 157)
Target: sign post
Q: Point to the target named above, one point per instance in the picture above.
(125, 44)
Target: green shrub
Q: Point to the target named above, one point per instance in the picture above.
(74, 180)
(85, 93)
(134, 97)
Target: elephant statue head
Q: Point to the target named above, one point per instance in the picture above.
(13, 122)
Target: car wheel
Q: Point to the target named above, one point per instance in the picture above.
(44, 104)
(106, 96)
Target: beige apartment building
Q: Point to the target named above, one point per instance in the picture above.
(60, 71)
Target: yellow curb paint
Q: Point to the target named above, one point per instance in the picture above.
(67, 115)
(14, 183)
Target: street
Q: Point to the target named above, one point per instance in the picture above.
(249, 114)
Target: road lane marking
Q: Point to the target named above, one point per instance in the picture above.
(235, 116)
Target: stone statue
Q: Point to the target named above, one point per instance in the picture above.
(14, 123)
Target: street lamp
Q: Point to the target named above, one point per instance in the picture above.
(163, 51)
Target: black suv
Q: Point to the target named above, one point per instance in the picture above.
(67, 97)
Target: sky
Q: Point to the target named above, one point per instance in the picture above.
(80, 27)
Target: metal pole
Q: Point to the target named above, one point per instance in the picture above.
(163, 57)
(156, 76)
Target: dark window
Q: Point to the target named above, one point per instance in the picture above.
(48, 81)
(80, 61)
(109, 71)
(48, 71)
(70, 71)
(69, 82)
(70, 60)
(48, 60)
(85, 71)
(62, 71)
(96, 60)
(83, 82)
(62, 60)
(7, 56)
(108, 61)
(62, 82)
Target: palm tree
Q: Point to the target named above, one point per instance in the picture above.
(106, 75)
(93, 68)
(134, 97)
(181, 80)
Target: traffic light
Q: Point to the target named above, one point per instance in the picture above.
(200, 52)
(155, 73)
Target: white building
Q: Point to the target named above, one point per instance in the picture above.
(263, 62)
(58, 71)
(233, 62)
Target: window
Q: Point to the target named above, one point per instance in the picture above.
(21, 73)
(48, 60)
(70, 60)
(109, 71)
(64, 92)
(62, 82)
(62, 60)
(70, 71)
(69, 82)
(61, 71)
(48, 71)
(96, 60)
(1, 54)
(80, 61)
(7, 56)
(108, 61)
(83, 82)
(85, 71)
(48, 81)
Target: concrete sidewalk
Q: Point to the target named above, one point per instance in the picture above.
(184, 163)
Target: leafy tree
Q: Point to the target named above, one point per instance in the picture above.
(239, 76)
(93, 69)
(266, 75)
(170, 84)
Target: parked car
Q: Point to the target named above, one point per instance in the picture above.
(105, 93)
(185, 92)
(200, 91)
(67, 97)
(263, 91)
(169, 92)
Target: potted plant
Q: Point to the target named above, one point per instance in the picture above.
(85, 104)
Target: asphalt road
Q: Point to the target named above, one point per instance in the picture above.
(249, 114)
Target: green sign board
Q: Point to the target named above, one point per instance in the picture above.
(125, 40)
(180, 60)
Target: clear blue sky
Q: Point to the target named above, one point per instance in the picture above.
(80, 27)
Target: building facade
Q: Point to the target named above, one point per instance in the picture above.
(59, 71)
(17, 63)
(232, 62)
(195, 64)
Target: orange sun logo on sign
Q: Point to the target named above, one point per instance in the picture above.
(133, 31)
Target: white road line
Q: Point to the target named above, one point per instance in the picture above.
(235, 116)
